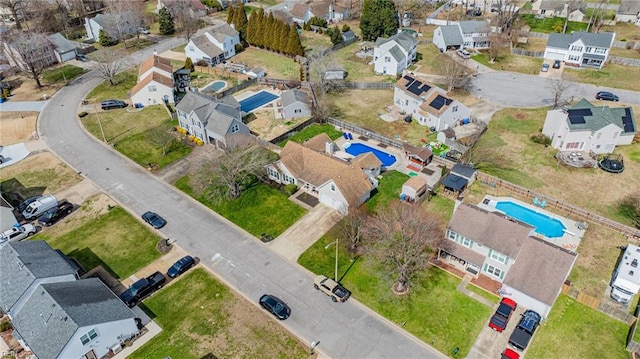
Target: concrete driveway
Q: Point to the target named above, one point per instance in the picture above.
(489, 343)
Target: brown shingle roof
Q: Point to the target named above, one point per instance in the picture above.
(320, 9)
(157, 62)
(416, 182)
(205, 45)
(318, 142)
(317, 169)
(154, 76)
(491, 229)
(367, 160)
(540, 270)
(421, 153)
(298, 10)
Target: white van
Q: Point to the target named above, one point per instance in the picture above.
(36, 208)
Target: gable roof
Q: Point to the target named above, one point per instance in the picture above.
(22, 263)
(299, 10)
(205, 45)
(414, 86)
(216, 115)
(318, 142)
(61, 44)
(585, 116)
(540, 270)
(402, 39)
(154, 76)
(157, 62)
(55, 311)
(562, 41)
(491, 229)
(463, 170)
(421, 153)
(436, 103)
(348, 35)
(318, 169)
(416, 183)
(320, 9)
(294, 95)
(557, 5)
(221, 31)
(109, 21)
(468, 27)
(629, 7)
(397, 53)
(451, 35)
(367, 161)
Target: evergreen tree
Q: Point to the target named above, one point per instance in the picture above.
(271, 32)
(294, 46)
(378, 19)
(345, 28)
(188, 64)
(336, 35)
(241, 21)
(230, 14)
(251, 29)
(167, 26)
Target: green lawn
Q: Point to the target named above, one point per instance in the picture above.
(200, 316)
(313, 41)
(115, 240)
(62, 74)
(510, 62)
(555, 24)
(611, 75)
(312, 131)
(124, 81)
(275, 66)
(574, 330)
(389, 188)
(426, 63)
(357, 68)
(179, 48)
(260, 209)
(441, 205)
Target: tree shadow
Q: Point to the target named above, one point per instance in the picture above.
(15, 192)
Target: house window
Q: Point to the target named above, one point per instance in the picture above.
(152, 88)
(452, 235)
(599, 135)
(496, 272)
(601, 50)
(574, 58)
(235, 128)
(87, 338)
(572, 145)
(333, 187)
(406, 102)
(191, 48)
(297, 110)
(576, 48)
(454, 109)
(588, 49)
(387, 59)
(497, 256)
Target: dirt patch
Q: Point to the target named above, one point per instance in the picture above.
(268, 123)
(27, 90)
(17, 127)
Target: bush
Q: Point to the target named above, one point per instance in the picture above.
(345, 28)
(540, 139)
(82, 114)
(4, 325)
(630, 208)
(290, 189)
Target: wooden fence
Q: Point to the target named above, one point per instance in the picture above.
(222, 72)
(599, 305)
(293, 131)
(369, 85)
(523, 52)
(347, 127)
(624, 61)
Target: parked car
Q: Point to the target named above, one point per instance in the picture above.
(509, 354)
(181, 266)
(328, 286)
(39, 206)
(154, 219)
(143, 288)
(142, 30)
(606, 95)
(464, 53)
(275, 306)
(55, 214)
(17, 233)
(556, 64)
(83, 58)
(500, 318)
(521, 336)
(545, 67)
(23, 205)
(111, 104)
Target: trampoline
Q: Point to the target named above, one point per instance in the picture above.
(612, 163)
(253, 102)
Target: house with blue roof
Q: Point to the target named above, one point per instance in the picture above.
(464, 34)
(393, 55)
(586, 127)
(580, 49)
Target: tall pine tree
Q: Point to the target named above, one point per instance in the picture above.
(241, 22)
(294, 46)
(167, 26)
(230, 14)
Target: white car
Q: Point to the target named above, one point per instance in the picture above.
(17, 233)
(464, 53)
(144, 31)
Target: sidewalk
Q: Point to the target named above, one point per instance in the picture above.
(161, 264)
(153, 330)
(462, 287)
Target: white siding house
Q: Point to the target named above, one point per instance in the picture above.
(64, 49)
(214, 46)
(155, 82)
(295, 104)
(629, 11)
(328, 10)
(585, 127)
(393, 55)
(580, 49)
(464, 34)
(110, 24)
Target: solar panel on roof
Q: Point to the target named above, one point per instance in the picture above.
(440, 101)
(407, 77)
(415, 88)
(425, 88)
(576, 116)
(627, 122)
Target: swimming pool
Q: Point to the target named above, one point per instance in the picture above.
(545, 225)
(215, 86)
(252, 102)
(359, 148)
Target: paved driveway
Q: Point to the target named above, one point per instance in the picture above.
(489, 343)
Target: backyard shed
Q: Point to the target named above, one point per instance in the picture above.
(414, 188)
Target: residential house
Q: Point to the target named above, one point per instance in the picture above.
(7, 218)
(629, 11)
(336, 183)
(114, 26)
(328, 10)
(419, 157)
(488, 244)
(464, 34)
(195, 7)
(214, 46)
(256, 72)
(76, 319)
(393, 55)
(580, 49)
(64, 49)
(155, 82)
(427, 103)
(586, 127)
(24, 52)
(574, 10)
(211, 120)
(295, 104)
(459, 178)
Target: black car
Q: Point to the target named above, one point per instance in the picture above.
(181, 266)
(111, 104)
(606, 95)
(556, 64)
(154, 219)
(55, 214)
(24, 204)
(275, 306)
(82, 58)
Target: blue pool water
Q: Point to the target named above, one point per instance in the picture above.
(358, 148)
(545, 225)
(215, 86)
(261, 98)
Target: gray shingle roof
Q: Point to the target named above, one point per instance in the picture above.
(629, 7)
(348, 35)
(602, 116)
(406, 41)
(451, 35)
(205, 45)
(55, 311)
(215, 115)
(463, 170)
(22, 263)
(562, 41)
(397, 54)
(469, 27)
(62, 45)
(292, 96)
(225, 29)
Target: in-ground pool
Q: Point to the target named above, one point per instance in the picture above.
(358, 148)
(215, 86)
(545, 225)
(259, 99)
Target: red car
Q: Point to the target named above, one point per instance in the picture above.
(501, 317)
(510, 354)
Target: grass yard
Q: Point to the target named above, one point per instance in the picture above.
(312, 131)
(628, 53)
(275, 66)
(179, 48)
(434, 311)
(441, 205)
(611, 75)
(509, 62)
(128, 131)
(62, 74)
(124, 81)
(115, 240)
(555, 24)
(313, 41)
(260, 209)
(201, 318)
(357, 68)
(624, 31)
(427, 54)
(574, 330)
(389, 188)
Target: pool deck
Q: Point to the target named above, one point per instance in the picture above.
(572, 235)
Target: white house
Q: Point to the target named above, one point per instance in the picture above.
(20, 52)
(209, 119)
(336, 183)
(214, 46)
(428, 104)
(328, 10)
(580, 49)
(464, 34)
(531, 270)
(393, 55)
(256, 72)
(574, 10)
(585, 127)
(629, 11)
(155, 82)
(126, 22)
(295, 104)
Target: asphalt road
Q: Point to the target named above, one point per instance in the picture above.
(345, 330)
(510, 89)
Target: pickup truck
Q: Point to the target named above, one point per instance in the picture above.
(500, 318)
(521, 336)
(331, 288)
(143, 288)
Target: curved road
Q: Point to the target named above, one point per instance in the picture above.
(348, 330)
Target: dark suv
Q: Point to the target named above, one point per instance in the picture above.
(111, 104)
(521, 336)
(55, 214)
(607, 96)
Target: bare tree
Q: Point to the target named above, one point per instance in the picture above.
(225, 178)
(497, 42)
(109, 62)
(30, 52)
(404, 238)
(453, 71)
(184, 15)
(318, 63)
(516, 30)
(558, 87)
(351, 227)
(17, 9)
(162, 138)
(630, 207)
(126, 16)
